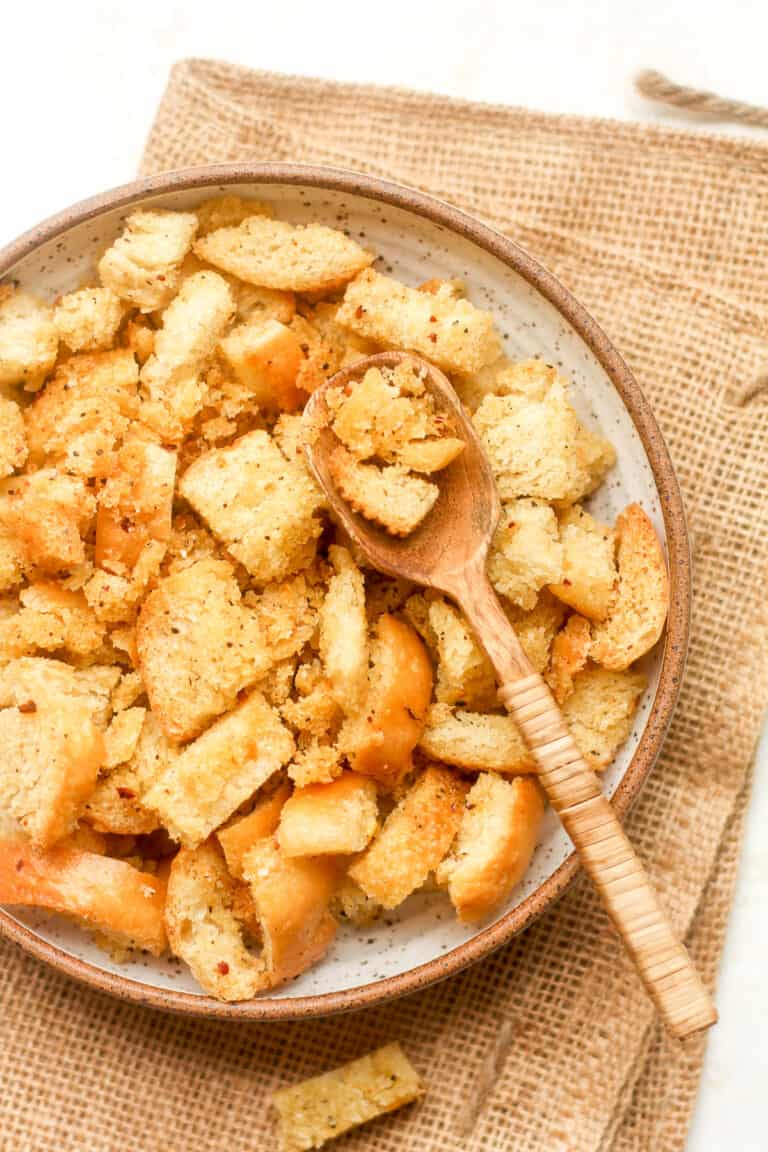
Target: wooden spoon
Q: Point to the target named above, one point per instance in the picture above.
(448, 551)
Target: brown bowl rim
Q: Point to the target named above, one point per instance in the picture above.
(677, 542)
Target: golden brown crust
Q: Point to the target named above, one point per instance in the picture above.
(475, 741)
(324, 819)
(240, 835)
(570, 652)
(389, 495)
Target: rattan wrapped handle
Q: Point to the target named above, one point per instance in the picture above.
(574, 792)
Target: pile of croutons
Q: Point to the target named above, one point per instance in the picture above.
(219, 733)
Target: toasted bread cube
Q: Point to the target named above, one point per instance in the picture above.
(589, 574)
(50, 755)
(45, 682)
(638, 608)
(329, 1105)
(532, 378)
(323, 819)
(50, 617)
(114, 598)
(227, 212)
(475, 741)
(241, 834)
(13, 563)
(220, 770)
(109, 895)
(494, 846)
(13, 439)
(289, 612)
(143, 265)
(266, 356)
(172, 379)
(274, 254)
(122, 736)
(88, 319)
(464, 672)
(526, 553)
(130, 687)
(451, 333)
(135, 506)
(29, 339)
(538, 447)
(315, 763)
(536, 629)
(570, 652)
(198, 646)
(414, 838)
(600, 711)
(380, 738)
(47, 513)
(295, 932)
(350, 903)
(259, 504)
(320, 358)
(346, 346)
(116, 805)
(203, 930)
(252, 303)
(344, 631)
(76, 421)
(391, 496)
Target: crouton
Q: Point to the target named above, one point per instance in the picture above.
(289, 612)
(114, 598)
(320, 359)
(46, 682)
(172, 380)
(116, 804)
(84, 410)
(391, 496)
(13, 563)
(570, 652)
(50, 754)
(262, 506)
(494, 845)
(316, 762)
(453, 289)
(321, 819)
(130, 687)
(203, 930)
(536, 629)
(29, 339)
(345, 346)
(274, 254)
(138, 337)
(135, 505)
(220, 770)
(143, 265)
(532, 378)
(13, 439)
(344, 631)
(329, 1105)
(464, 672)
(50, 618)
(47, 513)
(295, 932)
(526, 553)
(241, 834)
(227, 212)
(108, 895)
(600, 711)
(414, 838)
(88, 319)
(475, 742)
(538, 447)
(265, 357)
(122, 736)
(198, 647)
(589, 570)
(453, 334)
(350, 903)
(380, 738)
(639, 605)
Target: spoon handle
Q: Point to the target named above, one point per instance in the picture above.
(574, 791)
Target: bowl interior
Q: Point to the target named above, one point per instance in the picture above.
(412, 248)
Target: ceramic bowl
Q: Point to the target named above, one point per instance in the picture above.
(417, 237)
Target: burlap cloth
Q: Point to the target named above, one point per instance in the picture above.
(550, 1044)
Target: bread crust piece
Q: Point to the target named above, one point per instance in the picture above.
(265, 357)
(570, 653)
(326, 1106)
(639, 606)
(413, 839)
(589, 573)
(261, 505)
(475, 741)
(13, 438)
(380, 738)
(46, 514)
(239, 836)
(88, 319)
(452, 333)
(494, 845)
(143, 265)
(275, 254)
(29, 339)
(108, 895)
(324, 819)
(220, 770)
(389, 495)
(344, 631)
(203, 930)
(600, 711)
(198, 646)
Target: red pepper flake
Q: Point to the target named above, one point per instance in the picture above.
(433, 319)
(28, 706)
(222, 967)
(125, 793)
(19, 865)
(433, 337)
(567, 582)
(359, 311)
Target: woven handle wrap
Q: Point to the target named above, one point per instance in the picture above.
(574, 792)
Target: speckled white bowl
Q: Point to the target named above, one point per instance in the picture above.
(418, 237)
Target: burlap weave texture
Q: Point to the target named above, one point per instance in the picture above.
(659, 234)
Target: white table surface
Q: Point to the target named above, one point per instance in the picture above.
(79, 85)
